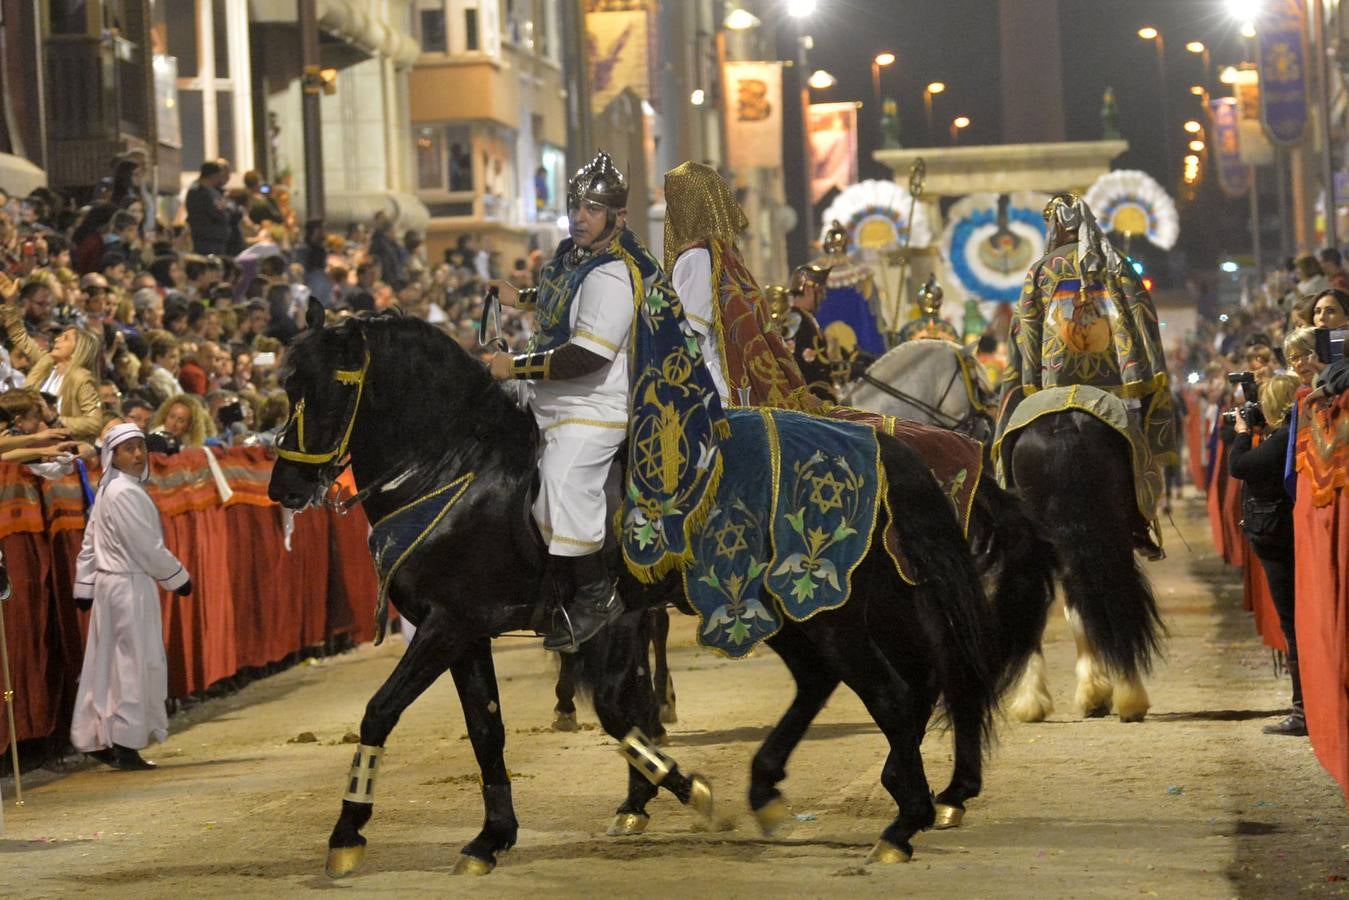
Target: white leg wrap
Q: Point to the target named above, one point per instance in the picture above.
(644, 756)
(361, 781)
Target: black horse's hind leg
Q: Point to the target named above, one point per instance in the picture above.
(815, 683)
(475, 679)
(847, 644)
(664, 684)
(431, 652)
(967, 776)
(564, 711)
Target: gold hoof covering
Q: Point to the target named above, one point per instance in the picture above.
(471, 865)
(700, 795)
(343, 861)
(565, 722)
(772, 816)
(886, 853)
(625, 824)
(948, 816)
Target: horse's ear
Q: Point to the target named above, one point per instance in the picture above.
(313, 317)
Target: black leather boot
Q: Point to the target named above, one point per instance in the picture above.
(129, 760)
(593, 604)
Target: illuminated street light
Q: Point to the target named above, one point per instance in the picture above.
(1195, 46)
(1198, 90)
(1244, 10)
(929, 92)
(884, 59)
(1193, 127)
(957, 124)
(799, 9)
(1248, 30)
(697, 97)
(1148, 33)
(821, 80)
(740, 19)
(1197, 146)
(1229, 75)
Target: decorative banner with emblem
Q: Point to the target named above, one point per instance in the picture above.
(1283, 60)
(1133, 204)
(990, 241)
(1256, 149)
(833, 147)
(616, 44)
(754, 114)
(1233, 175)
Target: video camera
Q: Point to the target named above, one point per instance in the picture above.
(1330, 344)
(1248, 408)
(160, 441)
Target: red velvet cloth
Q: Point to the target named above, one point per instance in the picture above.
(1257, 598)
(1196, 440)
(1322, 535)
(252, 601)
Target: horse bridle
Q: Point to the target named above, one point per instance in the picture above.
(972, 424)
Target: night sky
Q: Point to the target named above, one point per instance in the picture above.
(956, 41)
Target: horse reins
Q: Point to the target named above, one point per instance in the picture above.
(964, 425)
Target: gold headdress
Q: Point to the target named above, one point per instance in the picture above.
(835, 240)
(930, 296)
(812, 272)
(698, 206)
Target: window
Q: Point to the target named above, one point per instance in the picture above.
(430, 148)
(431, 26)
(444, 158)
(471, 29)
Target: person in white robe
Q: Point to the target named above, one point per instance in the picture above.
(119, 707)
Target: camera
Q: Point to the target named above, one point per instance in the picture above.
(1248, 406)
(160, 441)
(1330, 344)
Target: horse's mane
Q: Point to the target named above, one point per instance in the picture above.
(428, 392)
(895, 361)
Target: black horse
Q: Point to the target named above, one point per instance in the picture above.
(1075, 471)
(412, 411)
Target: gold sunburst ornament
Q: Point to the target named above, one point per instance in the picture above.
(1132, 203)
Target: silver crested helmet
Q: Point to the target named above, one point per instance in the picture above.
(598, 181)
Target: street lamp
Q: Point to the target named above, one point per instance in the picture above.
(1197, 146)
(698, 97)
(1199, 49)
(799, 9)
(821, 80)
(1149, 33)
(929, 92)
(957, 124)
(879, 61)
(1193, 127)
(1198, 90)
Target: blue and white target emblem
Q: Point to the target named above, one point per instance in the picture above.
(990, 241)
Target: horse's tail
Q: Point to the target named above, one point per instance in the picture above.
(950, 598)
(1080, 482)
(1014, 554)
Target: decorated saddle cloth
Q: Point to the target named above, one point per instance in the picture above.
(793, 517)
(1111, 410)
(1099, 331)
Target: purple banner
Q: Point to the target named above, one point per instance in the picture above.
(1233, 176)
(1284, 73)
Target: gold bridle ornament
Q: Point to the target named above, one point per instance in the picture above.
(319, 458)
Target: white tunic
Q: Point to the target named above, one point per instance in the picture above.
(584, 420)
(124, 679)
(692, 279)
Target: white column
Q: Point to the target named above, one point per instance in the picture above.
(241, 82)
(210, 137)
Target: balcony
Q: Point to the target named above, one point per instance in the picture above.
(100, 105)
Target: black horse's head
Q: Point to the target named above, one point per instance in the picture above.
(326, 374)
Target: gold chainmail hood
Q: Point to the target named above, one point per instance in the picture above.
(698, 206)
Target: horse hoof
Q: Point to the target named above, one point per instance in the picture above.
(1096, 712)
(565, 721)
(1133, 717)
(626, 824)
(886, 853)
(948, 817)
(472, 865)
(668, 716)
(342, 861)
(772, 816)
(700, 796)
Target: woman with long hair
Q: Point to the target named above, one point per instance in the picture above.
(70, 373)
(1267, 518)
(1331, 309)
(184, 418)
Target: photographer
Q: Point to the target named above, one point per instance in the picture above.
(1267, 515)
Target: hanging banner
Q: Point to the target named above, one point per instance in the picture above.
(1256, 149)
(616, 47)
(1234, 177)
(1283, 63)
(754, 114)
(833, 147)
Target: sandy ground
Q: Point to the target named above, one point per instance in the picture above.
(1195, 802)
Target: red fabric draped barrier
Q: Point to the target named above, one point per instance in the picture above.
(1321, 529)
(252, 603)
(1196, 439)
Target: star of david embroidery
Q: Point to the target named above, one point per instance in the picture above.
(730, 539)
(827, 493)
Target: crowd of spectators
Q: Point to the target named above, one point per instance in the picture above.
(178, 320)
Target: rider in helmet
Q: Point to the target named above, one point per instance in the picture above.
(577, 369)
(930, 324)
(803, 333)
